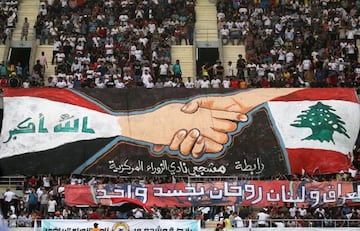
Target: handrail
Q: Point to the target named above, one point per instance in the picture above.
(11, 181)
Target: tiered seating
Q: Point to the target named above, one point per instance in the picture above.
(107, 45)
(281, 38)
(8, 16)
(27, 9)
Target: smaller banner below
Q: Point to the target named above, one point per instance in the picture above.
(120, 225)
(252, 193)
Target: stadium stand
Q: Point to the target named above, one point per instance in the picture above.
(262, 43)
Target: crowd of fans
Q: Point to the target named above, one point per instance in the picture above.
(288, 44)
(107, 43)
(101, 41)
(294, 43)
(44, 198)
(8, 18)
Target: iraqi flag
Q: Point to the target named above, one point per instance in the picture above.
(317, 128)
(42, 119)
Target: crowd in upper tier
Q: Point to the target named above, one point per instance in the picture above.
(310, 43)
(127, 43)
(8, 18)
(106, 43)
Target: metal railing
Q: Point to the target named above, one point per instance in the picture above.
(14, 182)
(273, 223)
(304, 223)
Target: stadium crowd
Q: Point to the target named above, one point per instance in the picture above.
(309, 43)
(8, 17)
(44, 197)
(98, 42)
(289, 44)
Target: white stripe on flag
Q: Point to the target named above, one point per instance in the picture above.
(26, 111)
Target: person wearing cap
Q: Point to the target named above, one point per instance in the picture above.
(96, 227)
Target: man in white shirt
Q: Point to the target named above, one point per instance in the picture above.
(163, 70)
(61, 83)
(224, 33)
(289, 56)
(8, 198)
(52, 206)
(99, 83)
(56, 49)
(76, 66)
(119, 83)
(226, 82)
(150, 84)
(216, 83)
(146, 77)
(26, 83)
(169, 83)
(306, 64)
(263, 218)
(238, 221)
(205, 83)
(293, 210)
(60, 56)
(302, 211)
(189, 83)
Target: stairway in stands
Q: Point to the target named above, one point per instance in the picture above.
(2, 52)
(205, 30)
(47, 49)
(29, 9)
(206, 22)
(231, 53)
(185, 54)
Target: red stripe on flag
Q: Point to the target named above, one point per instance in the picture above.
(120, 201)
(83, 195)
(54, 94)
(346, 94)
(317, 161)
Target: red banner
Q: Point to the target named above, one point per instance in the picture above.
(253, 193)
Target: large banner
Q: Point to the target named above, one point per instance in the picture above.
(252, 193)
(178, 132)
(121, 225)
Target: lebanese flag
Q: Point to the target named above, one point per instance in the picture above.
(317, 128)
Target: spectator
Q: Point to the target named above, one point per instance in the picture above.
(263, 218)
(25, 29)
(9, 198)
(43, 62)
(190, 83)
(205, 82)
(44, 200)
(224, 34)
(147, 79)
(176, 68)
